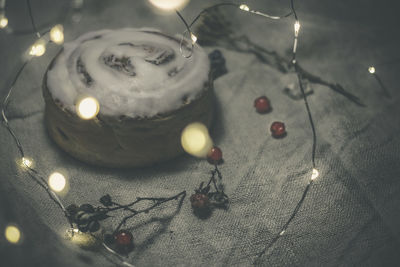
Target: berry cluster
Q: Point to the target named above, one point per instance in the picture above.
(204, 200)
(87, 218)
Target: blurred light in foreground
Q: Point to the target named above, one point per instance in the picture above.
(57, 182)
(12, 234)
(57, 34)
(38, 48)
(87, 108)
(169, 4)
(244, 7)
(315, 174)
(371, 70)
(195, 139)
(3, 21)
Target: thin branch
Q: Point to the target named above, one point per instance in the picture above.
(146, 210)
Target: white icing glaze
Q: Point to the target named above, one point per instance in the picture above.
(151, 91)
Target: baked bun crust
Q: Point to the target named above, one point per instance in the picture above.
(147, 93)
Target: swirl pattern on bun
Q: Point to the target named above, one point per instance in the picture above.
(147, 93)
(131, 72)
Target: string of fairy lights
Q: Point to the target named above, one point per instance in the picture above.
(88, 107)
(315, 172)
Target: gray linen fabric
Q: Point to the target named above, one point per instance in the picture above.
(351, 215)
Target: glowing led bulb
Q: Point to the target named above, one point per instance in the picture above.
(371, 70)
(57, 182)
(315, 174)
(195, 139)
(38, 48)
(296, 28)
(12, 234)
(193, 37)
(84, 240)
(26, 162)
(87, 108)
(244, 7)
(169, 4)
(57, 34)
(3, 22)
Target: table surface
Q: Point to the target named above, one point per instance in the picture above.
(351, 213)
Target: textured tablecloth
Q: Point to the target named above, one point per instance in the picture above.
(351, 215)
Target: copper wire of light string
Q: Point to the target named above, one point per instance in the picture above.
(31, 171)
(35, 28)
(34, 174)
(311, 121)
(294, 61)
(382, 85)
(41, 181)
(188, 26)
(110, 250)
(314, 144)
(183, 36)
(28, 3)
(210, 8)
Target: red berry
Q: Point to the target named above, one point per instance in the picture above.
(262, 104)
(123, 238)
(214, 156)
(199, 201)
(278, 129)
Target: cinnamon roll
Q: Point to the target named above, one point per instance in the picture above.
(146, 90)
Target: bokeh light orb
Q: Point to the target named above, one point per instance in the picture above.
(87, 108)
(38, 49)
(371, 70)
(57, 182)
(168, 5)
(196, 140)
(315, 174)
(26, 162)
(12, 234)
(3, 22)
(57, 34)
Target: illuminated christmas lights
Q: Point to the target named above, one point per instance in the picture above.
(315, 174)
(57, 182)
(195, 139)
(26, 162)
(169, 5)
(87, 108)
(193, 37)
(38, 48)
(3, 18)
(3, 21)
(57, 34)
(244, 7)
(371, 70)
(12, 234)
